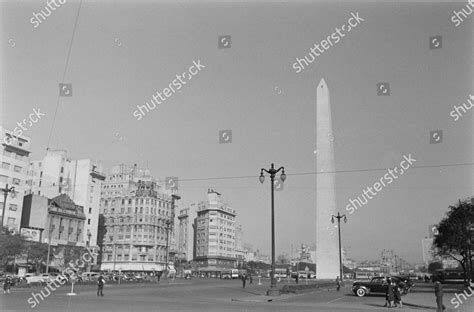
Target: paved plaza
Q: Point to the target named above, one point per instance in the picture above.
(215, 295)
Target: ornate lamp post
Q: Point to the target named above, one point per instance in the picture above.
(339, 217)
(273, 291)
(6, 190)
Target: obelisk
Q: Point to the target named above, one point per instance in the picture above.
(327, 253)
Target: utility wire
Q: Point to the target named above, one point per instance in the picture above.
(64, 73)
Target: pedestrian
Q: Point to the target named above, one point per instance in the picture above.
(338, 283)
(439, 297)
(100, 285)
(250, 278)
(389, 295)
(398, 296)
(7, 284)
(244, 278)
(297, 277)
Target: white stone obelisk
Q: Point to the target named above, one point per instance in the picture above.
(327, 245)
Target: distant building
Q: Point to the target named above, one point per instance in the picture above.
(426, 248)
(14, 159)
(215, 231)
(185, 234)
(80, 179)
(138, 221)
(58, 221)
(240, 252)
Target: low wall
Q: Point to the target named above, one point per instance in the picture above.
(306, 288)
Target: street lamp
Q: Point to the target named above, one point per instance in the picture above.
(168, 222)
(339, 217)
(273, 291)
(6, 190)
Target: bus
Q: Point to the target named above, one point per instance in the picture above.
(234, 273)
(449, 276)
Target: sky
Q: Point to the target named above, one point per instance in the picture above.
(123, 52)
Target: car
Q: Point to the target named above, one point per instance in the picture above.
(375, 285)
(32, 278)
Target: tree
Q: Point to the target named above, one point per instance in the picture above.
(37, 253)
(454, 236)
(11, 245)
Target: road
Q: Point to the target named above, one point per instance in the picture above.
(207, 295)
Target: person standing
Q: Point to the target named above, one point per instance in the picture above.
(338, 283)
(7, 284)
(439, 297)
(250, 278)
(389, 295)
(244, 278)
(398, 296)
(100, 285)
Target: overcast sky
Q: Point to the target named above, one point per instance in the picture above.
(124, 51)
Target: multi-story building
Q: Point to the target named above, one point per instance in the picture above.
(186, 235)
(14, 159)
(239, 248)
(59, 220)
(215, 232)
(138, 221)
(80, 179)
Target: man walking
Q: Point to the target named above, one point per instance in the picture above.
(439, 297)
(338, 283)
(100, 285)
(244, 278)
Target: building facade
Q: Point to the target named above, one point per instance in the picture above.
(59, 220)
(138, 221)
(185, 233)
(215, 233)
(80, 179)
(14, 160)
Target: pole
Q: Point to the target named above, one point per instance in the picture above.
(49, 244)
(114, 258)
(273, 282)
(340, 250)
(5, 190)
(166, 255)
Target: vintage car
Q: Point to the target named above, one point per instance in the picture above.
(378, 285)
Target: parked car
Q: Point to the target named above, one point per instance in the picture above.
(376, 285)
(32, 278)
(90, 276)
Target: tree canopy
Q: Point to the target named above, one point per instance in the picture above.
(454, 236)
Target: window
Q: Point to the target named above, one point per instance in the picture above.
(13, 207)
(90, 210)
(5, 165)
(62, 169)
(16, 181)
(88, 221)
(3, 179)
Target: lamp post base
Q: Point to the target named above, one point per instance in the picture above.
(273, 291)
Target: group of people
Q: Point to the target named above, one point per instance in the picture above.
(393, 295)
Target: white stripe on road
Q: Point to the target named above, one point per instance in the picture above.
(335, 300)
